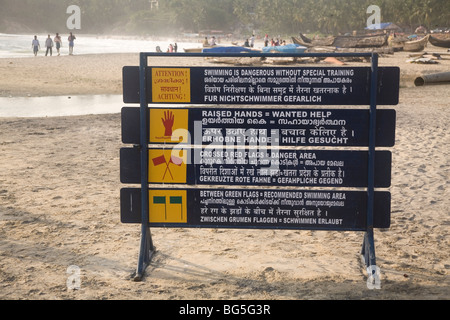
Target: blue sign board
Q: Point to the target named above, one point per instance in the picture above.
(282, 127)
(301, 168)
(262, 209)
(263, 86)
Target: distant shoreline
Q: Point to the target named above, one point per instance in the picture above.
(112, 36)
(19, 45)
(97, 74)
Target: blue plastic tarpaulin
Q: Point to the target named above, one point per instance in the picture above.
(289, 48)
(382, 26)
(231, 49)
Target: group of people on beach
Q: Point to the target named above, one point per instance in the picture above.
(274, 42)
(211, 43)
(171, 48)
(49, 43)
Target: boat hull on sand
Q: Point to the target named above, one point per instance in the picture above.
(416, 45)
(371, 41)
(443, 43)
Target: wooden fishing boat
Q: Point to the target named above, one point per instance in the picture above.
(397, 43)
(306, 42)
(300, 42)
(366, 41)
(305, 39)
(416, 45)
(443, 43)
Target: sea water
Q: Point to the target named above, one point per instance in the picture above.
(58, 106)
(19, 46)
(61, 106)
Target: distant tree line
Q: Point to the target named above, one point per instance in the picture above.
(286, 17)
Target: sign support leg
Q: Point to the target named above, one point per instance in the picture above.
(146, 249)
(145, 254)
(368, 248)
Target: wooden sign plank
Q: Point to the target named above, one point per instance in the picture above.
(312, 168)
(263, 86)
(282, 127)
(256, 208)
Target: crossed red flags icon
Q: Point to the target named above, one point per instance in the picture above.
(162, 160)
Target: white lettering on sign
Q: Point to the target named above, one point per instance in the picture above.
(288, 204)
(273, 86)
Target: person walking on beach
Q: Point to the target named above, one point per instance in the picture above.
(49, 46)
(58, 43)
(266, 40)
(35, 45)
(71, 39)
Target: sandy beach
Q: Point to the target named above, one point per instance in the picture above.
(60, 206)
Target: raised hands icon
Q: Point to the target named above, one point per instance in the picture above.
(168, 122)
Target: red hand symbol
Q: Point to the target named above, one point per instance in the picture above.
(168, 121)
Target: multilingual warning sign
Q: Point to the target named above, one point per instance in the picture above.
(257, 208)
(204, 156)
(270, 126)
(264, 86)
(308, 168)
(236, 146)
(171, 85)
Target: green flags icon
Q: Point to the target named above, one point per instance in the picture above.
(172, 200)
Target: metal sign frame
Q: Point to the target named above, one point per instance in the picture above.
(147, 248)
